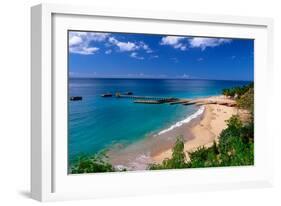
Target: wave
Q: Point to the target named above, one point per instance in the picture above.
(187, 120)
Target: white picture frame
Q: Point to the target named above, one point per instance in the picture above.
(49, 178)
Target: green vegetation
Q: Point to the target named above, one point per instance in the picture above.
(246, 101)
(91, 164)
(235, 148)
(236, 142)
(178, 159)
(237, 92)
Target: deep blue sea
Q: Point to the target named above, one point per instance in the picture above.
(97, 123)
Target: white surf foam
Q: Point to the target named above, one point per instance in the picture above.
(187, 120)
(140, 162)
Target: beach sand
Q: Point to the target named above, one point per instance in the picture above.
(202, 130)
(205, 131)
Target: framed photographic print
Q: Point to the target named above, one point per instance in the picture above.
(134, 102)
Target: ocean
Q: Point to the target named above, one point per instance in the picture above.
(97, 123)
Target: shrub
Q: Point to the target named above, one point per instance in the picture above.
(91, 164)
(236, 143)
(246, 101)
(204, 157)
(178, 159)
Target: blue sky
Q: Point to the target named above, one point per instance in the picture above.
(120, 55)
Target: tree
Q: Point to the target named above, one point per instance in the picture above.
(246, 101)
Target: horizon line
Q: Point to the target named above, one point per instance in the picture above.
(159, 78)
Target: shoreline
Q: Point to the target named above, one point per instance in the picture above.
(138, 155)
(205, 132)
(201, 130)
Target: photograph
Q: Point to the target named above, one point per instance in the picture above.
(140, 102)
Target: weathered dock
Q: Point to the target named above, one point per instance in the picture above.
(180, 101)
(148, 101)
(205, 101)
(189, 103)
(165, 99)
(171, 100)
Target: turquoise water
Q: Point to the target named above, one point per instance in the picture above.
(96, 123)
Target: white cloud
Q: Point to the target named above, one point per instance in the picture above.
(92, 36)
(84, 43)
(145, 47)
(203, 43)
(181, 43)
(174, 41)
(83, 50)
(171, 40)
(136, 56)
(123, 46)
(130, 46)
(113, 40)
(127, 46)
(74, 40)
(79, 42)
(109, 51)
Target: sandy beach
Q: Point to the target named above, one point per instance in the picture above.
(208, 128)
(202, 130)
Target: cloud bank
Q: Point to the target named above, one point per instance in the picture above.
(183, 43)
(86, 43)
(82, 43)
